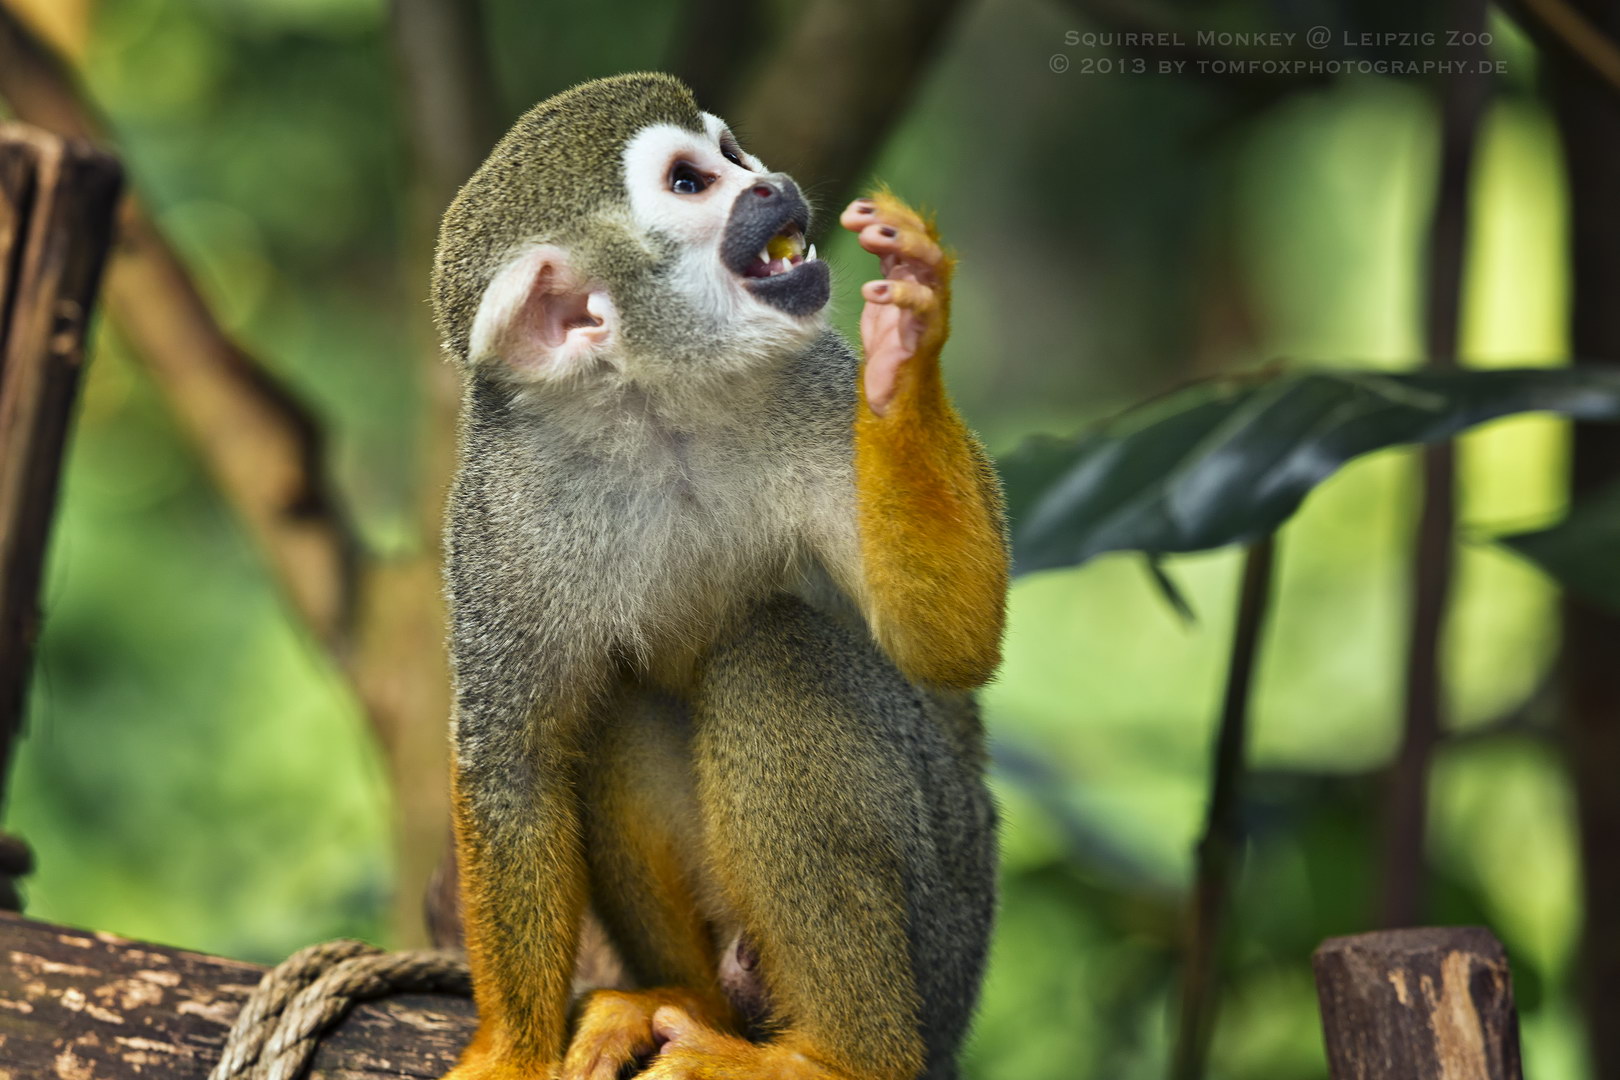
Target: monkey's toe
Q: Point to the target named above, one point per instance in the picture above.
(615, 1037)
(692, 1051)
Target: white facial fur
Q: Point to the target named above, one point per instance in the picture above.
(549, 326)
(695, 220)
(747, 328)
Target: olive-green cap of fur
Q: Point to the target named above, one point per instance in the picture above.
(560, 163)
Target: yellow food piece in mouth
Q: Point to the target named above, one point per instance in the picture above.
(780, 247)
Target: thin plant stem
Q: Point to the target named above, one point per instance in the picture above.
(1222, 842)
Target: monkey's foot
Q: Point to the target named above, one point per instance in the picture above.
(691, 1051)
(615, 1034)
(905, 312)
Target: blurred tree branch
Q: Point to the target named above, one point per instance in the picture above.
(828, 133)
(453, 119)
(1588, 116)
(1462, 104)
(718, 45)
(262, 446)
(1569, 33)
(450, 99)
(380, 621)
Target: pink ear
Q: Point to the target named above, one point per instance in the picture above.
(538, 319)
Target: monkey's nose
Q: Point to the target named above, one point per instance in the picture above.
(776, 186)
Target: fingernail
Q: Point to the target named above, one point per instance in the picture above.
(881, 290)
(887, 230)
(863, 207)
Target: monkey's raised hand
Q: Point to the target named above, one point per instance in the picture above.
(933, 561)
(908, 311)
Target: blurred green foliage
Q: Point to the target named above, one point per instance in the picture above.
(195, 773)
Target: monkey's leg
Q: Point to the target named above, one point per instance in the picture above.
(811, 752)
(932, 579)
(516, 812)
(644, 851)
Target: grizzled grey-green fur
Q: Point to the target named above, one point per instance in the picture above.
(557, 166)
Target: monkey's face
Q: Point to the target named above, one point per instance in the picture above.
(738, 228)
(620, 234)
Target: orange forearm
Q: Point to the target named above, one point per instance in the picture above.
(933, 555)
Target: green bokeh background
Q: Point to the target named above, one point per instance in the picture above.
(197, 774)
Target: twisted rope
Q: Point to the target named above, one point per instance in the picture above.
(281, 1022)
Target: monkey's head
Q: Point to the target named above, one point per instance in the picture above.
(618, 233)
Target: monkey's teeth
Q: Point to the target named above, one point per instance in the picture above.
(810, 256)
(790, 252)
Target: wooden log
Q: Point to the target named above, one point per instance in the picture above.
(77, 1005)
(1434, 1003)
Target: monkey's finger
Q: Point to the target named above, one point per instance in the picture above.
(858, 215)
(890, 210)
(914, 296)
(882, 209)
(907, 245)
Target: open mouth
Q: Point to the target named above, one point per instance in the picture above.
(781, 253)
(764, 245)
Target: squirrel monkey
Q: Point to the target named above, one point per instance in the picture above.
(720, 593)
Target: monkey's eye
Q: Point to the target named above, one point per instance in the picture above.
(684, 179)
(730, 154)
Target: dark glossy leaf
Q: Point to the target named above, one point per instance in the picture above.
(1582, 552)
(1229, 461)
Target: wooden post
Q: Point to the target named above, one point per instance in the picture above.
(57, 198)
(1434, 1003)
